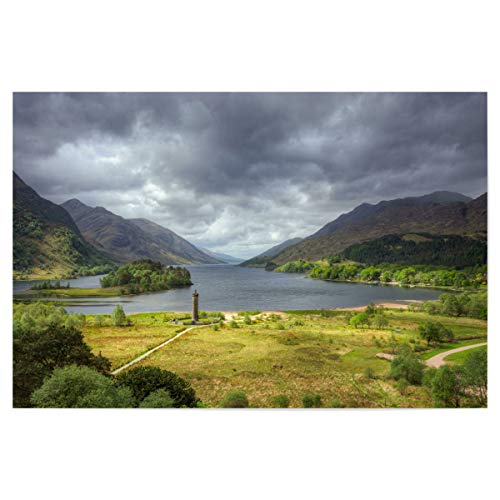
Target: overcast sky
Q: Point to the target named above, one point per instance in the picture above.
(239, 173)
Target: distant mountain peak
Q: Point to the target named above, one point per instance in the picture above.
(125, 240)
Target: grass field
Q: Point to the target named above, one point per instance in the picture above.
(290, 354)
(121, 344)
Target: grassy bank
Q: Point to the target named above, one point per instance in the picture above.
(459, 357)
(73, 292)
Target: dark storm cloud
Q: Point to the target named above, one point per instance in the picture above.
(240, 172)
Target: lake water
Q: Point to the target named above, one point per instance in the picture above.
(232, 288)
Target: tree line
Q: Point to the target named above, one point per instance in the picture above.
(145, 275)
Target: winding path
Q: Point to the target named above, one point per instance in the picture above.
(438, 360)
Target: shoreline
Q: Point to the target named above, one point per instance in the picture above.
(403, 304)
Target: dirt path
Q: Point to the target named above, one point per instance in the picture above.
(151, 351)
(438, 360)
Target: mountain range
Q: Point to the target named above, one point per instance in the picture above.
(124, 240)
(438, 213)
(222, 257)
(47, 242)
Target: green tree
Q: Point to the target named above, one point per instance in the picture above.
(451, 304)
(408, 366)
(118, 317)
(359, 320)
(143, 380)
(380, 321)
(235, 399)
(158, 399)
(42, 344)
(475, 373)
(446, 387)
(433, 331)
(81, 387)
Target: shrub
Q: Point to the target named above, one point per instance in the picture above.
(280, 401)
(158, 399)
(336, 403)
(233, 324)
(247, 320)
(369, 373)
(408, 366)
(402, 385)
(118, 317)
(311, 401)
(235, 399)
(144, 380)
(81, 387)
(216, 328)
(98, 320)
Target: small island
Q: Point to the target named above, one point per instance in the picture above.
(140, 276)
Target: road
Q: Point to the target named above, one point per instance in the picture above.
(438, 360)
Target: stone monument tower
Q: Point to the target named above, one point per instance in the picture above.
(195, 306)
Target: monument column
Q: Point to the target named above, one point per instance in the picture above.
(195, 306)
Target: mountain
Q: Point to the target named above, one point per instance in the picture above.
(261, 259)
(125, 240)
(439, 213)
(222, 257)
(174, 242)
(271, 252)
(47, 243)
(366, 210)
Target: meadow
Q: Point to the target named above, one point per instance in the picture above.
(283, 354)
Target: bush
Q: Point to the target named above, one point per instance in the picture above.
(158, 399)
(336, 403)
(118, 317)
(311, 401)
(99, 320)
(233, 324)
(369, 373)
(402, 385)
(144, 380)
(280, 401)
(81, 387)
(235, 399)
(408, 366)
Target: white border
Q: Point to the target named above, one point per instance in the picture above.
(229, 45)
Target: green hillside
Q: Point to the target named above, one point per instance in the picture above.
(402, 216)
(47, 243)
(415, 249)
